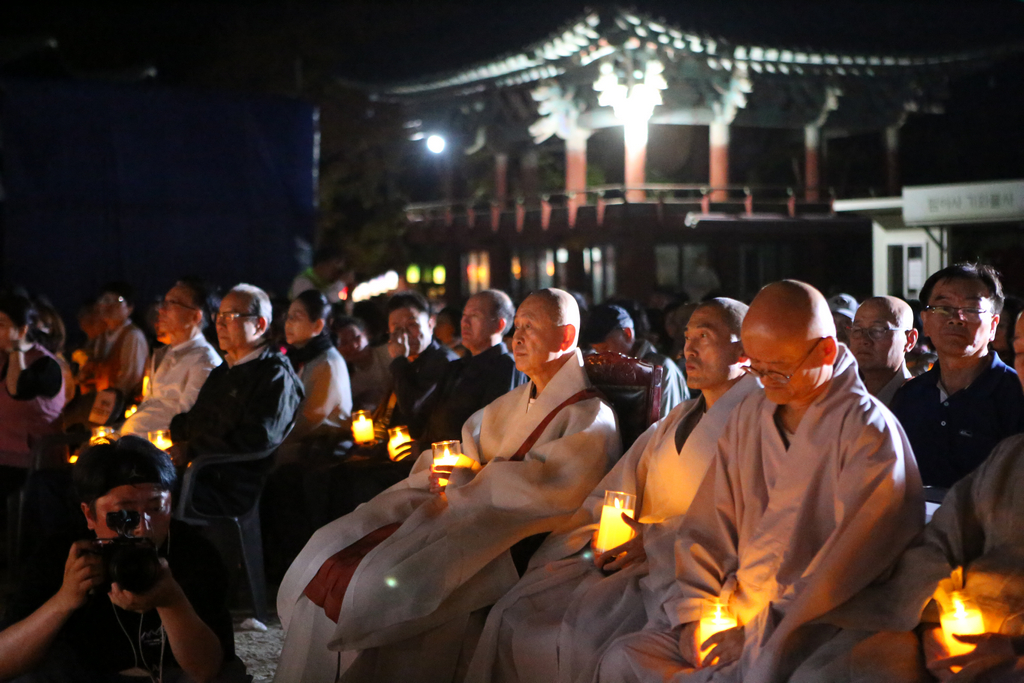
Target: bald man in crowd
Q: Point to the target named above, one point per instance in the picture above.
(396, 590)
(813, 493)
(880, 337)
(570, 604)
(972, 545)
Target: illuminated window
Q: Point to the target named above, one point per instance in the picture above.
(476, 271)
(599, 266)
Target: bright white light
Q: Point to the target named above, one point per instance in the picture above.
(435, 143)
(633, 106)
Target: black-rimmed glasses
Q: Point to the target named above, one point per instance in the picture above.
(775, 376)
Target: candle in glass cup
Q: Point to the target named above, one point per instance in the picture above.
(446, 454)
(101, 435)
(613, 532)
(715, 617)
(399, 437)
(362, 427)
(963, 619)
(160, 438)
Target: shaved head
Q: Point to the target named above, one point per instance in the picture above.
(790, 338)
(892, 322)
(891, 309)
(790, 310)
(561, 306)
(730, 312)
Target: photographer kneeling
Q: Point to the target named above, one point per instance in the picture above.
(145, 598)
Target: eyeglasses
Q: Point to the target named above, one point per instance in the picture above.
(969, 313)
(232, 316)
(110, 299)
(778, 377)
(166, 303)
(872, 333)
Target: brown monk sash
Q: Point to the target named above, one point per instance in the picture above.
(532, 439)
(327, 589)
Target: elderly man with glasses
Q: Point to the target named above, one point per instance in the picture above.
(178, 370)
(812, 494)
(881, 335)
(247, 404)
(970, 400)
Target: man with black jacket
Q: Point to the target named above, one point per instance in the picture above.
(472, 382)
(247, 404)
(418, 365)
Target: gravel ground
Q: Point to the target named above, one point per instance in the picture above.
(259, 649)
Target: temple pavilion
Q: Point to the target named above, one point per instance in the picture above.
(519, 223)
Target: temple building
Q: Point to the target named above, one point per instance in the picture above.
(535, 214)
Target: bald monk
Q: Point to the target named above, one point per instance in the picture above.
(395, 590)
(975, 544)
(881, 336)
(570, 604)
(812, 494)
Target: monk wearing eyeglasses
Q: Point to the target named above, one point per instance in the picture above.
(812, 494)
(880, 337)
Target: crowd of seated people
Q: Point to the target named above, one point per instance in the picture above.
(788, 491)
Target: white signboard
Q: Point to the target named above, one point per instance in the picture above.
(968, 203)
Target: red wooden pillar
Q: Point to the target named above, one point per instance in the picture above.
(576, 171)
(892, 160)
(718, 135)
(812, 180)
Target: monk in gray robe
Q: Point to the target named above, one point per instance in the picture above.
(813, 493)
(570, 605)
(974, 545)
(395, 590)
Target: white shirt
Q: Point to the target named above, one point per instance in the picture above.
(888, 392)
(176, 376)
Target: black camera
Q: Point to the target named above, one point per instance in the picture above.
(129, 561)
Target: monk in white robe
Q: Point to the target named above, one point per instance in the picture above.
(569, 606)
(813, 493)
(415, 596)
(974, 544)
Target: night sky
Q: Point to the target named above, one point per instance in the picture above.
(279, 47)
(380, 42)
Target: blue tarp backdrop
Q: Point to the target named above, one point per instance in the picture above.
(146, 184)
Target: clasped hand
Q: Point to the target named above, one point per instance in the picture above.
(630, 552)
(439, 472)
(994, 647)
(725, 646)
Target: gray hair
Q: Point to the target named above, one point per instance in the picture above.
(258, 301)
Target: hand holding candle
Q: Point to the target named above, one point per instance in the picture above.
(398, 443)
(962, 619)
(715, 618)
(102, 435)
(446, 456)
(362, 427)
(613, 531)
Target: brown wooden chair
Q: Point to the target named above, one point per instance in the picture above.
(632, 386)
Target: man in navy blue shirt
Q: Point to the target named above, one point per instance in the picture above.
(955, 413)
